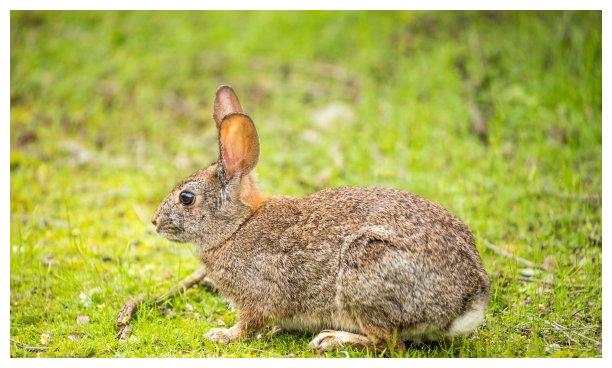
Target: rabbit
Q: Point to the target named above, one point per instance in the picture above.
(365, 267)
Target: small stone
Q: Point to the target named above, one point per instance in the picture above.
(82, 320)
(44, 338)
(134, 339)
(548, 263)
(73, 337)
(332, 114)
(49, 261)
(528, 272)
(552, 348)
(85, 300)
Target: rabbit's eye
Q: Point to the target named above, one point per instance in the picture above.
(186, 198)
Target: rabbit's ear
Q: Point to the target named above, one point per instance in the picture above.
(238, 140)
(226, 102)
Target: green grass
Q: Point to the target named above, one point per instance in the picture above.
(110, 109)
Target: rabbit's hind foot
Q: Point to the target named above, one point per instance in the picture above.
(328, 340)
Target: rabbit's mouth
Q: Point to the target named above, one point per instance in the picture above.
(170, 232)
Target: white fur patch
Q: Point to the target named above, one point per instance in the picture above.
(468, 321)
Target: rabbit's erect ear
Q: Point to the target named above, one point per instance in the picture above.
(238, 140)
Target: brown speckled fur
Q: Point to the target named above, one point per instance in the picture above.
(373, 261)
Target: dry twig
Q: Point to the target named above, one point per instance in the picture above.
(30, 348)
(566, 331)
(505, 253)
(128, 310)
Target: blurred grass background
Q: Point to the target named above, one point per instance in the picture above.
(495, 115)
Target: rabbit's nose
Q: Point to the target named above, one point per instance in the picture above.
(154, 222)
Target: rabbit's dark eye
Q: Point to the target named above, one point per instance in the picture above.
(187, 198)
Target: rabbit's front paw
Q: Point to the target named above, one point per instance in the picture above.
(221, 335)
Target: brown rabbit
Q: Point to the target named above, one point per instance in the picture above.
(370, 266)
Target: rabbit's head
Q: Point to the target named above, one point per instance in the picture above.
(210, 205)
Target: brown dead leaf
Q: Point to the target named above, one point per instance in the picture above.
(542, 309)
(26, 138)
(167, 275)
